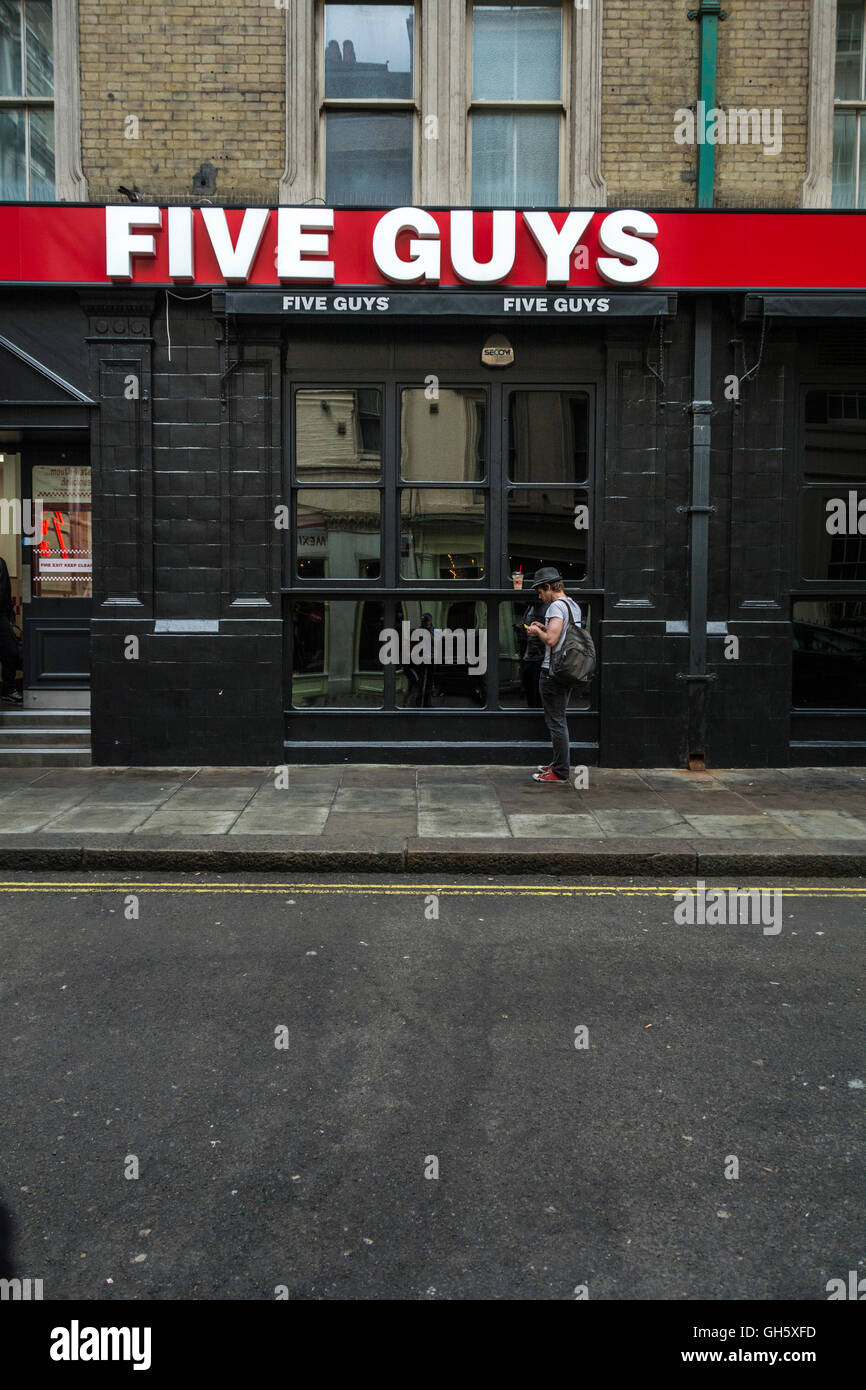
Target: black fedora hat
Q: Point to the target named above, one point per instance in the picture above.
(548, 574)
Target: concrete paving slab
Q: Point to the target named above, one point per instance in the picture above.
(369, 826)
(457, 794)
(643, 823)
(193, 822)
(464, 824)
(543, 824)
(828, 825)
(375, 799)
(740, 827)
(378, 775)
(281, 819)
(84, 819)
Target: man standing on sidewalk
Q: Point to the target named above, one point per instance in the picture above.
(548, 585)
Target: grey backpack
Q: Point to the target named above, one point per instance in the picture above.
(574, 663)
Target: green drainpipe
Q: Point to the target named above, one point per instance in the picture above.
(708, 15)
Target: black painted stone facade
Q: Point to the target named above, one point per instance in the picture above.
(187, 448)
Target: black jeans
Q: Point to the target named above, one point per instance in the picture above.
(8, 656)
(554, 699)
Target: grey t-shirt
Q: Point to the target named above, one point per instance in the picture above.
(568, 611)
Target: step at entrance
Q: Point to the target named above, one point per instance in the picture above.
(44, 738)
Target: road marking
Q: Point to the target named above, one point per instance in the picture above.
(328, 889)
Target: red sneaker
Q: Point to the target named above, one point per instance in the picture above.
(544, 767)
(549, 776)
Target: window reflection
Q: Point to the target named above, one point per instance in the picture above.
(456, 675)
(521, 656)
(339, 435)
(829, 660)
(542, 530)
(833, 547)
(61, 558)
(548, 437)
(339, 529)
(369, 50)
(335, 656)
(442, 533)
(442, 440)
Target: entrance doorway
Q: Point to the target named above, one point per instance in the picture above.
(413, 508)
(56, 574)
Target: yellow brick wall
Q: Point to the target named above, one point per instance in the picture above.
(650, 69)
(764, 63)
(207, 83)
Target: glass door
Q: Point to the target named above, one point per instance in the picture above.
(57, 561)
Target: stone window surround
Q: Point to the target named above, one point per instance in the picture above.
(441, 176)
(818, 183)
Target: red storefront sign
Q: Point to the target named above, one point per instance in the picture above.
(134, 244)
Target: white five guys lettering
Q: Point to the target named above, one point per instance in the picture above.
(406, 245)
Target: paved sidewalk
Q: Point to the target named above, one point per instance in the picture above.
(387, 818)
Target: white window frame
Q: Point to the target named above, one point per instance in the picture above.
(70, 184)
(516, 106)
(856, 105)
(329, 105)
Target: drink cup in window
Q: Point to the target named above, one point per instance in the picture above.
(517, 579)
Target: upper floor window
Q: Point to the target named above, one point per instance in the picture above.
(849, 111)
(517, 107)
(26, 100)
(369, 104)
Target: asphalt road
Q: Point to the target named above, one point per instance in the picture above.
(417, 1044)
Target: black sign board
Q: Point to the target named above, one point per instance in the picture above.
(506, 303)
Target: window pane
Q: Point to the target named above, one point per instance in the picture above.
(515, 160)
(517, 52)
(445, 642)
(829, 662)
(442, 441)
(542, 531)
(442, 533)
(368, 158)
(335, 654)
(368, 50)
(844, 151)
(833, 546)
(548, 437)
(338, 435)
(13, 176)
(849, 39)
(10, 49)
(61, 559)
(341, 527)
(41, 152)
(40, 65)
(520, 656)
(836, 436)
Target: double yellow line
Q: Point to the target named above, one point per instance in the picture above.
(328, 888)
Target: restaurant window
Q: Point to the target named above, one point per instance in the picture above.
(832, 521)
(517, 109)
(61, 555)
(549, 488)
(443, 524)
(849, 110)
(369, 110)
(26, 101)
(338, 516)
